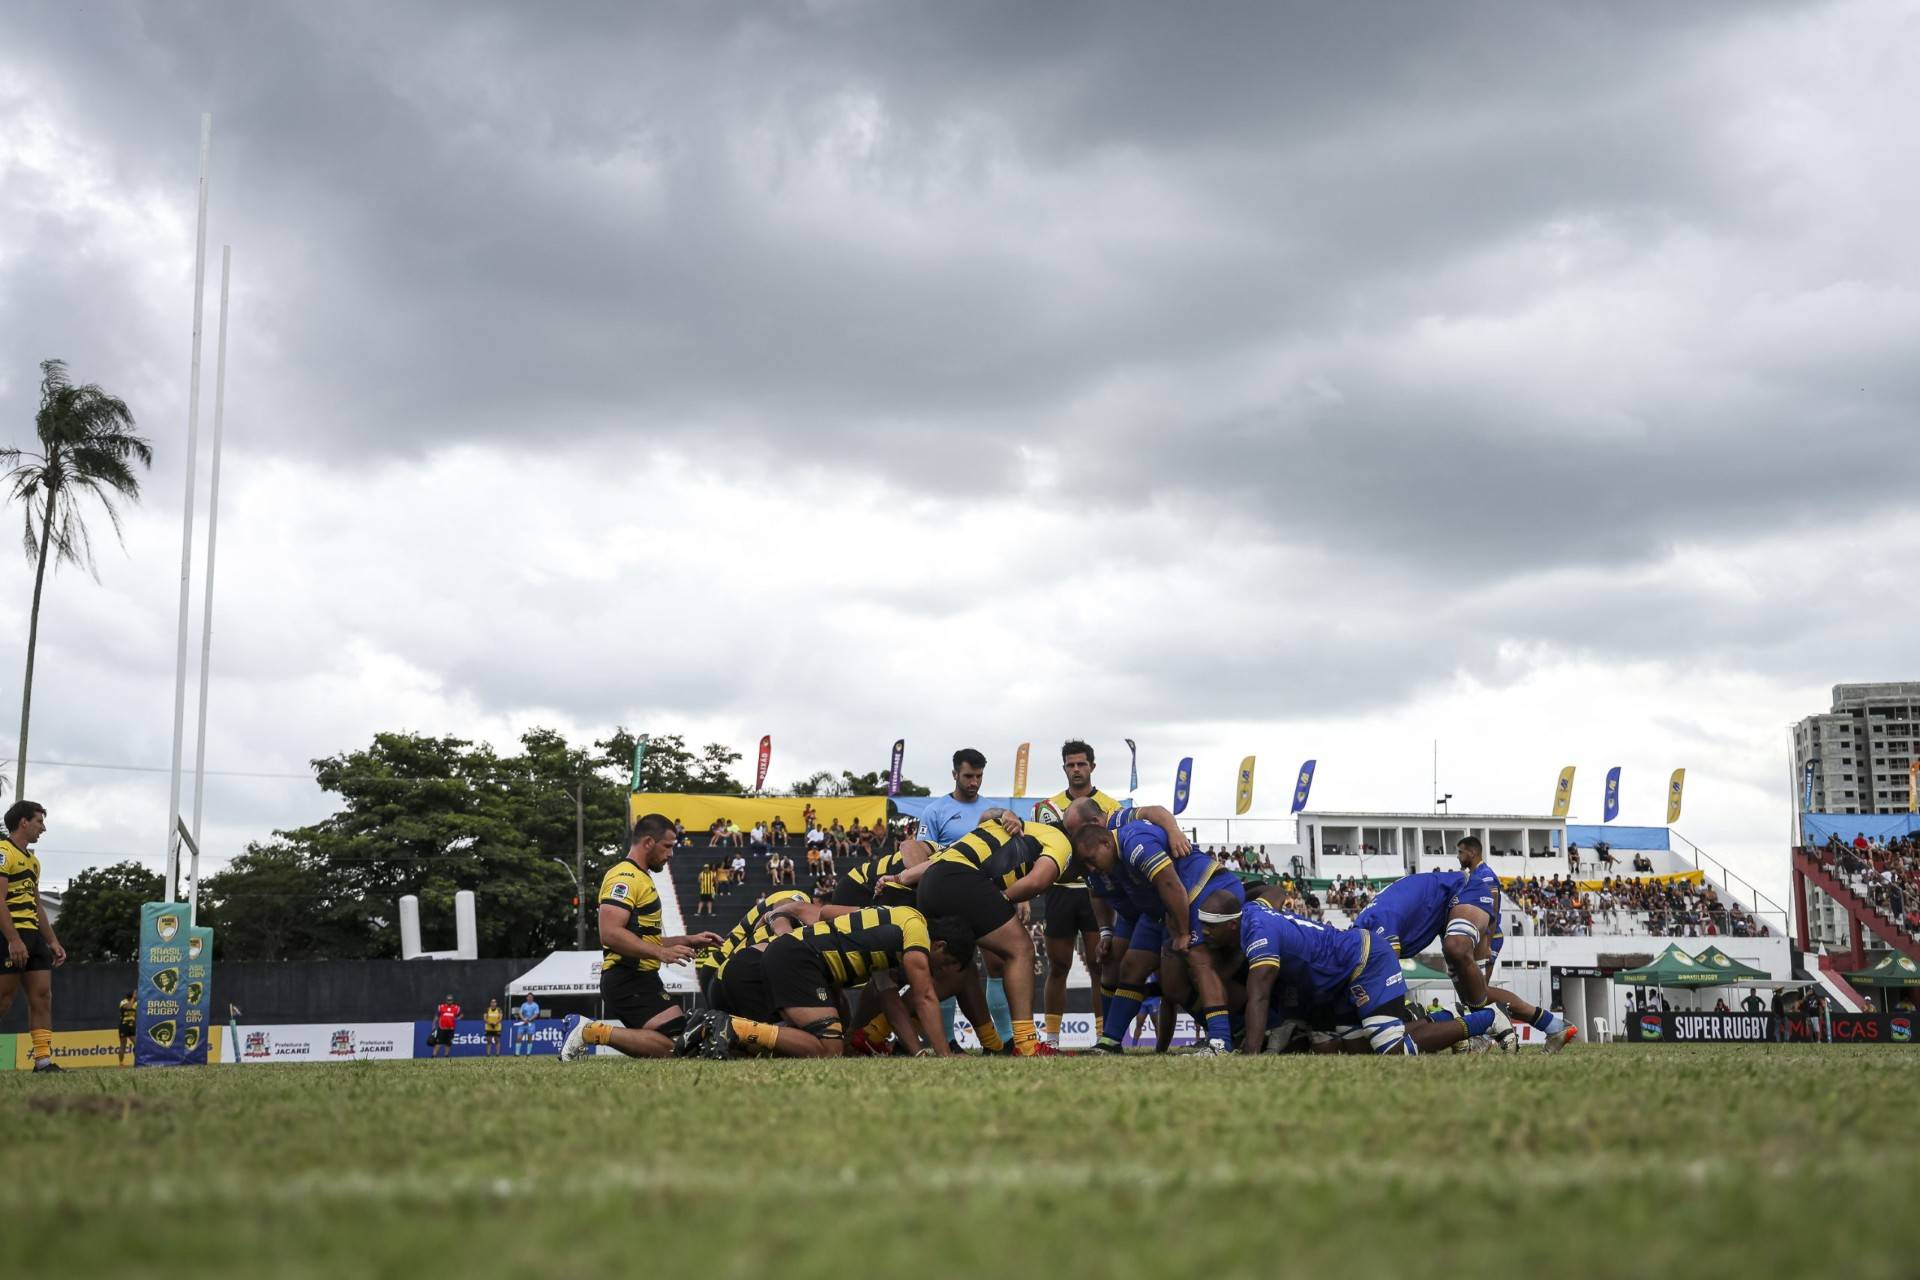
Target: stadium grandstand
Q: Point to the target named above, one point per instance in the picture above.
(1856, 888)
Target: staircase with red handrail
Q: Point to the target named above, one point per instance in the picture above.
(1860, 912)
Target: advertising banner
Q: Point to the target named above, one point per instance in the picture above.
(80, 1050)
(893, 769)
(1243, 793)
(639, 760)
(1020, 769)
(1675, 786)
(470, 1041)
(1563, 793)
(1133, 766)
(1699, 1028)
(766, 758)
(1182, 786)
(1076, 1032)
(176, 966)
(326, 1042)
(1612, 810)
(1870, 1028)
(1303, 786)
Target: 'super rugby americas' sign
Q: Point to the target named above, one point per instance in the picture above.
(1699, 1028)
(175, 987)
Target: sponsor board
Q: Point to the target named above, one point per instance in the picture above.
(1699, 1028)
(1076, 1032)
(174, 988)
(1870, 1028)
(75, 1050)
(324, 1042)
(469, 1037)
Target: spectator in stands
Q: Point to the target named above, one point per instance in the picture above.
(809, 816)
(1604, 852)
(708, 883)
(679, 832)
(779, 832)
(1720, 1006)
(757, 839)
(739, 868)
(1573, 859)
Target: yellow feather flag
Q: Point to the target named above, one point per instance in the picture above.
(1913, 787)
(1243, 798)
(1563, 794)
(1020, 770)
(1674, 788)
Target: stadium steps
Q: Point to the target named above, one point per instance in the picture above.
(1827, 973)
(1883, 924)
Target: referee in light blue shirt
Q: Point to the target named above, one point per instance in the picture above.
(944, 821)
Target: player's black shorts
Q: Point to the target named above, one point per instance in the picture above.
(126, 1030)
(633, 997)
(39, 954)
(950, 889)
(1070, 912)
(491, 1035)
(442, 1035)
(796, 975)
(742, 988)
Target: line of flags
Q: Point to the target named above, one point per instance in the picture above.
(1303, 784)
(1610, 809)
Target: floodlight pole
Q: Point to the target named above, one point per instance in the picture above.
(213, 538)
(186, 519)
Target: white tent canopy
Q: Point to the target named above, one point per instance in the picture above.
(577, 973)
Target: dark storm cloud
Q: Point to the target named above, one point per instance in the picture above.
(1221, 260)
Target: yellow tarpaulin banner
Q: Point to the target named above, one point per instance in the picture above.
(1594, 886)
(80, 1050)
(699, 812)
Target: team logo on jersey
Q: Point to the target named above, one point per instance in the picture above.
(820, 993)
(194, 947)
(166, 981)
(1359, 997)
(619, 893)
(167, 927)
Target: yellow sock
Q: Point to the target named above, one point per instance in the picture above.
(42, 1044)
(1053, 1026)
(989, 1038)
(598, 1033)
(1023, 1038)
(878, 1030)
(755, 1035)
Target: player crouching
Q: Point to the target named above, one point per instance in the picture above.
(785, 997)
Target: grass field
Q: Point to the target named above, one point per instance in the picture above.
(1607, 1161)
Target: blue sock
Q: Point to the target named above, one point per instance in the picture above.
(1479, 1022)
(949, 1007)
(1440, 1015)
(1219, 1026)
(998, 1010)
(1122, 1007)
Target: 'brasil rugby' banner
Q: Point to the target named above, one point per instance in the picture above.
(1182, 786)
(1613, 795)
(176, 972)
(1304, 785)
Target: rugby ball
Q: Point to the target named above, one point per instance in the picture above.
(1045, 812)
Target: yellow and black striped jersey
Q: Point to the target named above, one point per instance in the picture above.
(628, 885)
(1108, 807)
(857, 946)
(866, 871)
(22, 870)
(1005, 857)
(129, 1012)
(706, 882)
(752, 927)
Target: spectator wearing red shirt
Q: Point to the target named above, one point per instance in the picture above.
(445, 1018)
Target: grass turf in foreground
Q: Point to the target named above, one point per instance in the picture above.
(1734, 1160)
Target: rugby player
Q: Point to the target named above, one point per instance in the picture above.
(644, 1019)
(784, 997)
(1128, 912)
(944, 820)
(1141, 850)
(129, 1022)
(1355, 966)
(708, 963)
(32, 952)
(981, 879)
(1472, 931)
(1069, 903)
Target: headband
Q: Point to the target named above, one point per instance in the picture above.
(1218, 917)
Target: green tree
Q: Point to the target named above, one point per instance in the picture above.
(276, 902)
(849, 783)
(100, 911)
(670, 766)
(87, 447)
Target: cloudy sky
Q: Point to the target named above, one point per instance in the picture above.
(1263, 379)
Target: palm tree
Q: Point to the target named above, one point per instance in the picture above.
(87, 446)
